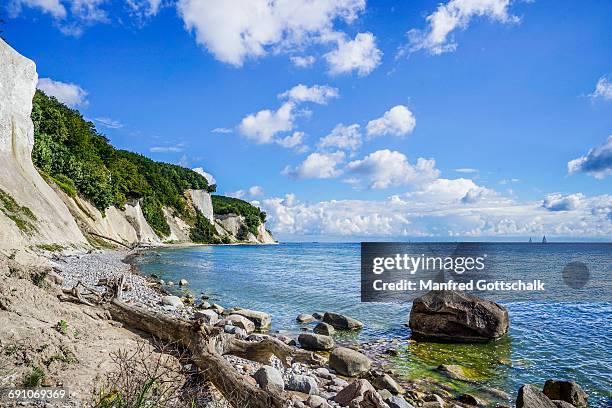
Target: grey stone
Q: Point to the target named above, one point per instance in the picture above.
(531, 397)
(173, 301)
(395, 401)
(269, 379)
(302, 383)
(207, 316)
(386, 382)
(342, 322)
(457, 317)
(315, 342)
(568, 391)
(324, 328)
(261, 320)
(304, 318)
(183, 282)
(242, 322)
(349, 362)
(314, 401)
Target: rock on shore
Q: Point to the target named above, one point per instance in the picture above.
(349, 362)
(457, 317)
(342, 322)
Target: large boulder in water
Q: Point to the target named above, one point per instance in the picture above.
(531, 397)
(568, 391)
(457, 317)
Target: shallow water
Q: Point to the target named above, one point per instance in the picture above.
(547, 339)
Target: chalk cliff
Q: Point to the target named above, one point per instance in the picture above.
(30, 212)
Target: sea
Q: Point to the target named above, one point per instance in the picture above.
(554, 335)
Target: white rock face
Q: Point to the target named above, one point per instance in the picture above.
(202, 202)
(18, 177)
(179, 229)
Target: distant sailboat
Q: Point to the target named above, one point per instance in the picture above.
(530, 241)
(544, 239)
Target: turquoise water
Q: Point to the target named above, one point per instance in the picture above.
(547, 339)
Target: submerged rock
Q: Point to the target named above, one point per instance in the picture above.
(349, 362)
(315, 342)
(568, 391)
(304, 318)
(342, 322)
(531, 397)
(457, 317)
(456, 372)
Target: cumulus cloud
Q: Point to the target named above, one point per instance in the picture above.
(236, 30)
(251, 192)
(453, 15)
(342, 137)
(66, 92)
(597, 162)
(317, 94)
(209, 177)
(359, 54)
(603, 89)
(317, 166)
(262, 126)
(421, 214)
(294, 140)
(303, 62)
(386, 168)
(560, 202)
(397, 121)
(109, 123)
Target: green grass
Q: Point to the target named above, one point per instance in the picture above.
(62, 327)
(38, 279)
(34, 378)
(50, 247)
(22, 216)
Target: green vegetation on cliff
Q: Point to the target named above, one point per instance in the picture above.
(253, 216)
(69, 150)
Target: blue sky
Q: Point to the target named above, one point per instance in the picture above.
(508, 103)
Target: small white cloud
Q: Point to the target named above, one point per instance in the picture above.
(360, 54)
(166, 149)
(303, 62)
(256, 191)
(262, 126)
(109, 123)
(397, 121)
(597, 162)
(222, 130)
(603, 89)
(251, 192)
(291, 141)
(317, 166)
(386, 168)
(144, 8)
(52, 7)
(68, 93)
(342, 137)
(455, 14)
(209, 177)
(466, 170)
(317, 94)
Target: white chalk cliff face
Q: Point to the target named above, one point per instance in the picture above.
(30, 211)
(202, 202)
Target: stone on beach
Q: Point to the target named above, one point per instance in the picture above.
(349, 362)
(261, 320)
(324, 328)
(315, 342)
(183, 282)
(242, 322)
(396, 401)
(305, 318)
(314, 401)
(386, 382)
(531, 397)
(457, 317)
(360, 393)
(568, 391)
(302, 383)
(207, 316)
(173, 301)
(342, 322)
(269, 379)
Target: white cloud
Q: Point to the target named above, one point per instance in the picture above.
(342, 137)
(561, 202)
(422, 214)
(291, 141)
(262, 126)
(209, 177)
(466, 170)
(597, 162)
(144, 8)
(68, 93)
(236, 30)
(109, 123)
(303, 62)
(360, 54)
(53, 7)
(251, 192)
(386, 168)
(455, 14)
(168, 149)
(222, 130)
(317, 166)
(603, 89)
(317, 94)
(397, 121)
